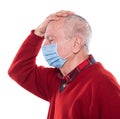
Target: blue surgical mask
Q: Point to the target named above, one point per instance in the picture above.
(52, 57)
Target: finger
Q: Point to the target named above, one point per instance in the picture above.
(58, 15)
(63, 13)
(52, 17)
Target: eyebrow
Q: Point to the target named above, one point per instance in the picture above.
(50, 37)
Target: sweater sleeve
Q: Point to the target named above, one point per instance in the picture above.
(108, 98)
(24, 69)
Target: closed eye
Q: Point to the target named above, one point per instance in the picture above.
(50, 39)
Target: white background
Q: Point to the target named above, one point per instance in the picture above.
(19, 17)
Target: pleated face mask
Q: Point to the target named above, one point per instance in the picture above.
(52, 57)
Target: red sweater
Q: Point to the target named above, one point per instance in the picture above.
(93, 94)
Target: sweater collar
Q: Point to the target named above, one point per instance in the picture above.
(82, 66)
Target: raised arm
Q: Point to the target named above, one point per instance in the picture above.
(24, 69)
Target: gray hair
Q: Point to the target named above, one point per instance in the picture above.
(77, 25)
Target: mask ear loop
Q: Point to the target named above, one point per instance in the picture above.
(72, 52)
(57, 52)
(68, 55)
(60, 56)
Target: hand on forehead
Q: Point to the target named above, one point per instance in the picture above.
(58, 15)
(40, 30)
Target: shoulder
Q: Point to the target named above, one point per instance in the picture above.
(103, 81)
(103, 76)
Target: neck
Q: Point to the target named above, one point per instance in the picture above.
(72, 63)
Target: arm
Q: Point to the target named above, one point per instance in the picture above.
(107, 99)
(24, 69)
(111, 100)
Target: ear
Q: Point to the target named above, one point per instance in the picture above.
(77, 44)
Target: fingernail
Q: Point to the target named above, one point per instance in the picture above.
(65, 14)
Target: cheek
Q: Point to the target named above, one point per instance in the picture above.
(64, 50)
(61, 51)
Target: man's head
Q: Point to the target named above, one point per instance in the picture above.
(71, 34)
(77, 26)
(67, 28)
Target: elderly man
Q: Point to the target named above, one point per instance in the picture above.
(76, 86)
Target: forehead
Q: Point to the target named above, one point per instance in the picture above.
(56, 24)
(55, 27)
